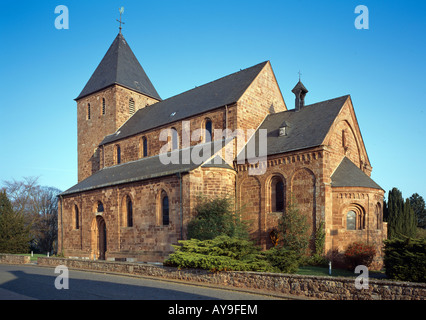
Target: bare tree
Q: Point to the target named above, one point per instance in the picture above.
(46, 224)
(38, 206)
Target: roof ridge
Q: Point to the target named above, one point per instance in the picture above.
(328, 100)
(119, 36)
(243, 77)
(205, 84)
(309, 105)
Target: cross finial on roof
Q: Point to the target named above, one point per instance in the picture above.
(121, 22)
(299, 74)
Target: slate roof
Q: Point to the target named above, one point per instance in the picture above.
(215, 94)
(305, 128)
(217, 162)
(348, 174)
(119, 66)
(152, 167)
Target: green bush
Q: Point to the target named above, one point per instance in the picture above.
(215, 217)
(224, 253)
(405, 259)
(359, 253)
(314, 260)
(219, 254)
(285, 260)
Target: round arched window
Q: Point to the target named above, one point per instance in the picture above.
(351, 220)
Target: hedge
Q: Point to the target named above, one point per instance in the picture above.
(405, 259)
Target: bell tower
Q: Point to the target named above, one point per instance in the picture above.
(116, 90)
(300, 92)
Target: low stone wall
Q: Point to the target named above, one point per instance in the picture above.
(332, 288)
(14, 259)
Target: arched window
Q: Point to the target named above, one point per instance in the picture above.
(351, 220)
(144, 147)
(103, 106)
(175, 139)
(355, 217)
(344, 140)
(277, 194)
(379, 216)
(166, 211)
(208, 130)
(88, 111)
(129, 212)
(117, 154)
(76, 218)
(165, 208)
(131, 106)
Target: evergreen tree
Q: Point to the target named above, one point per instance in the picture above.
(294, 229)
(418, 204)
(408, 222)
(385, 210)
(14, 236)
(402, 220)
(394, 205)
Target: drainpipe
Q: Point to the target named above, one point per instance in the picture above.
(103, 156)
(179, 174)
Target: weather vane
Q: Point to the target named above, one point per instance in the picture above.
(121, 22)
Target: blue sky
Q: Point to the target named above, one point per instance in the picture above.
(183, 44)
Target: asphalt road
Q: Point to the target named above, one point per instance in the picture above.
(33, 282)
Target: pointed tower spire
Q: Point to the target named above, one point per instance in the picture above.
(119, 66)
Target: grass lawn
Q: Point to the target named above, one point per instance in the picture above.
(34, 257)
(323, 271)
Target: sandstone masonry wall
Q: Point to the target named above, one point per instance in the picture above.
(91, 131)
(316, 287)
(14, 259)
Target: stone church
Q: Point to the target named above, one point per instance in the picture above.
(143, 162)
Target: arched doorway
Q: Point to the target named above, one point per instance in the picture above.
(99, 238)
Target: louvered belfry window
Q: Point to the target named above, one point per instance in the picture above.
(103, 106)
(131, 106)
(88, 111)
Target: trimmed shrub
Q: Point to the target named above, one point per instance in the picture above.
(314, 260)
(219, 254)
(405, 259)
(359, 253)
(224, 253)
(285, 260)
